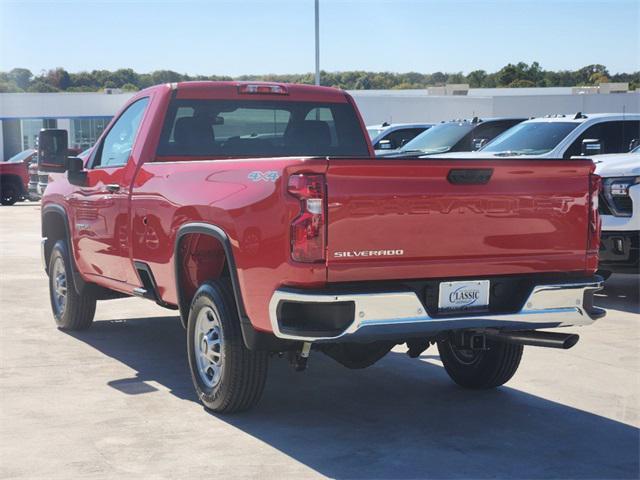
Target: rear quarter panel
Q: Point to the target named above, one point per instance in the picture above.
(254, 212)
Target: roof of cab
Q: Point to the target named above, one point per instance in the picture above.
(227, 90)
(585, 117)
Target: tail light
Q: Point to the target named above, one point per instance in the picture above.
(594, 217)
(308, 237)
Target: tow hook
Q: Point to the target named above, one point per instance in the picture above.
(299, 359)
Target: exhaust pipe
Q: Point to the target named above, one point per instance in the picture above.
(536, 339)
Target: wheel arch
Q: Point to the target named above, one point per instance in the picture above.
(253, 339)
(54, 227)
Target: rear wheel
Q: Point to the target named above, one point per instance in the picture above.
(227, 376)
(8, 194)
(72, 311)
(480, 369)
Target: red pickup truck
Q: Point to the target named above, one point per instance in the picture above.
(14, 177)
(258, 211)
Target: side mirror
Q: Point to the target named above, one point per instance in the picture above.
(634, 143)
(76, 174)
(478, 143)
(384, 145)
(591, 146)
(52, 150)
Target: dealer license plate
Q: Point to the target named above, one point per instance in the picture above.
(462, 296)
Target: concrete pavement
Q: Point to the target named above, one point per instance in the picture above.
(116, 401)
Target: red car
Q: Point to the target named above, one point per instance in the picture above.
(258, 211)
(14, 177)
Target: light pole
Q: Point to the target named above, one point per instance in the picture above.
(317, 2)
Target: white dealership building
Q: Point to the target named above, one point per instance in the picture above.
(85, 115)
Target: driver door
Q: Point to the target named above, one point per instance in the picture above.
(100, 207)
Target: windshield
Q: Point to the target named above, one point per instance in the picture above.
(439, 138)
(20, 157)
(636, 150)
(531, 138)
(374, 132)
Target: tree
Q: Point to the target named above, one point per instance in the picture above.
(583, 76)
(521, 84)
(39, 85)
(438, 78)
(507, 75)
(476, 78)
(21, 77)
(456, 78)
(598, 78)
(363, 83)
(58, 78)
(519, 74)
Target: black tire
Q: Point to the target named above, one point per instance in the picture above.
(481, 369)
(76, 312)
(237, 381)
(8, 194)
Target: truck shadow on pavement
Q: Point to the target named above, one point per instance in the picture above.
(401, 418)
(621, 292)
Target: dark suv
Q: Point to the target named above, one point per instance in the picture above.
(455, 136)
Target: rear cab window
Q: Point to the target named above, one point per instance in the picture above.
(212, 128)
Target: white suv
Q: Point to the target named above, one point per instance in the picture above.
(620, 211)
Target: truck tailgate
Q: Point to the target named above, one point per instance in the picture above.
(415, 218)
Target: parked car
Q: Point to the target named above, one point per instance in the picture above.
(620, 211)
(14, 177)
(388, 137)
(302, 241)
(454, 136)
(565, 136)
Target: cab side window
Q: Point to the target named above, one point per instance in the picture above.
(117, 144)
(399, 137)
(615, 137)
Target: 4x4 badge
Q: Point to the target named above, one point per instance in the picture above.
(270, 176)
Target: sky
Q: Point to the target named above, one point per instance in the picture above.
(226, 37)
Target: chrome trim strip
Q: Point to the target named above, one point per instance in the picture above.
(547, 304)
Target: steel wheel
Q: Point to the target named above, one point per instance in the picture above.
(59, 293)
(208, 341)
(466, 356)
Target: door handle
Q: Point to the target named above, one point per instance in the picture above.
(113, 187)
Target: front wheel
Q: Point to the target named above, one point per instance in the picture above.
(227, 376)
(480, 369)
(8, 194)
(71, 310)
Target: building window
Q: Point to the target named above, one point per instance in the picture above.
(86, 131)
(31, 128)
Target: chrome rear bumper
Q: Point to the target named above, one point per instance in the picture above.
(402, 313)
